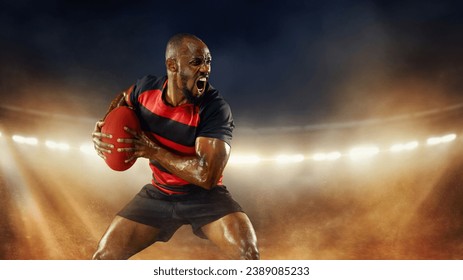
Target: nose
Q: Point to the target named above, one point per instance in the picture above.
(205, 67)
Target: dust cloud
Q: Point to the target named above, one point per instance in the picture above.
(56, 205)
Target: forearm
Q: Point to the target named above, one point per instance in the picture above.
(190, 168)
(202, 169)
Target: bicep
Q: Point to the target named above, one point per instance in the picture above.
(214, 153)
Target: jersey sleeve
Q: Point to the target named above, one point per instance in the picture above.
(139, 87)
(216, 121)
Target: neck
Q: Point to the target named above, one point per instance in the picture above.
(173, 97)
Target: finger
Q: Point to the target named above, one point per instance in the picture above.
(127, 149)
(103, 150)
(97, 141)
(101, 155)
(102, 146)
(98, 125)
(133, 157)
(130, 131)
(147, 141)
(126, 140)
(101, 135)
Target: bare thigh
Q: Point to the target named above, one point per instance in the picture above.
(234, 235)
(124, 238)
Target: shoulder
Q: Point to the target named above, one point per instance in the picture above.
(149, 82)
(213, 101)
(216, 120)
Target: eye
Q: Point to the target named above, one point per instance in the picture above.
(196, 62)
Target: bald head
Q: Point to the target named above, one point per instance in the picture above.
(188, 65)
(177, 42)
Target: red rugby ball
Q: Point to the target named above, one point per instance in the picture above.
(114, 124)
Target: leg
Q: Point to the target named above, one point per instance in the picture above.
(124, 238)
(234, 235)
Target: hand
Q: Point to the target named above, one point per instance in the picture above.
(100, 146)
(142, 146)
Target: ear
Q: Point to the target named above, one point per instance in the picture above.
(171, 65)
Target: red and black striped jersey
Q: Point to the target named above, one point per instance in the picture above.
(176, 128)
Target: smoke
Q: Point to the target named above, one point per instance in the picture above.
(314, 63)
(57, 204)
(385, 209)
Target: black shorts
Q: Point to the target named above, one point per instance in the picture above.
(169, 212)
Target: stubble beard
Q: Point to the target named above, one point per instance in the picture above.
(188, 94)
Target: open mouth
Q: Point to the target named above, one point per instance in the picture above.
(201, 85)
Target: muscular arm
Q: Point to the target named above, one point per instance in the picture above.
(203, 169)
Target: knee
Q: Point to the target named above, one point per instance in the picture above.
(104, 253)
(250, 252)
(98, 255)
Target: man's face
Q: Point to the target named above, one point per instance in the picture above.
(194, 62)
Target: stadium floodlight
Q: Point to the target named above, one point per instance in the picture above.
(441, 139)
(87, 149)
(448, 138)
(326, 156)
(358, 153)
(433, 141)
(404, 146)
(284, 159)
(25, 140)
(57, 146)
(244, 159)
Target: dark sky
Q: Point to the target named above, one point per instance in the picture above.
(276, 62)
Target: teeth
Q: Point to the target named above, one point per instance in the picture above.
(201, 84)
